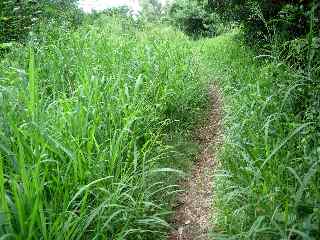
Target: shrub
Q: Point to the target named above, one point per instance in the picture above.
(18, 18)
(194, 19)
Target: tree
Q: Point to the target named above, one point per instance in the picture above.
(151, 9)
(196, 18)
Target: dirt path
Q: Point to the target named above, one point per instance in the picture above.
(192, 219)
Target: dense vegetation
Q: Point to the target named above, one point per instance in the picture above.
(268, 181)
(95, 113)
(261, 20)
(269, 177)
(86, 119)
(19, 18)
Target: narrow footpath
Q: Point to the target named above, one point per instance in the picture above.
(193, 213)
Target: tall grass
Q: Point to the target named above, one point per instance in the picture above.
(85, 118)
(268, 181)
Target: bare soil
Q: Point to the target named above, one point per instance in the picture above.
(193, 213)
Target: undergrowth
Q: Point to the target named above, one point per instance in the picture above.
(92, 123)
(267, 184)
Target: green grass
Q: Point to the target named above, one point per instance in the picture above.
(92, 123)
(267, 185)
(95, 132)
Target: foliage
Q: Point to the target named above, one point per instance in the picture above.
(122, 11)
(18, 18)
(267, 187)
(152, 10)
(194, 19)
(85, 119)
(267, 184)
(262, 19)
(93, 120)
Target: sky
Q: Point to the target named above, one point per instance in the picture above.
(89, 5)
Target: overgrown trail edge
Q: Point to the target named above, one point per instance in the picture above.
(193, 215)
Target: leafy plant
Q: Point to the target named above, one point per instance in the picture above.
(86, 119)
(194, 19)
(18, 18)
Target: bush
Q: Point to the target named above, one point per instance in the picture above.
(18, 18)
(194, 19)
(264, 19)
